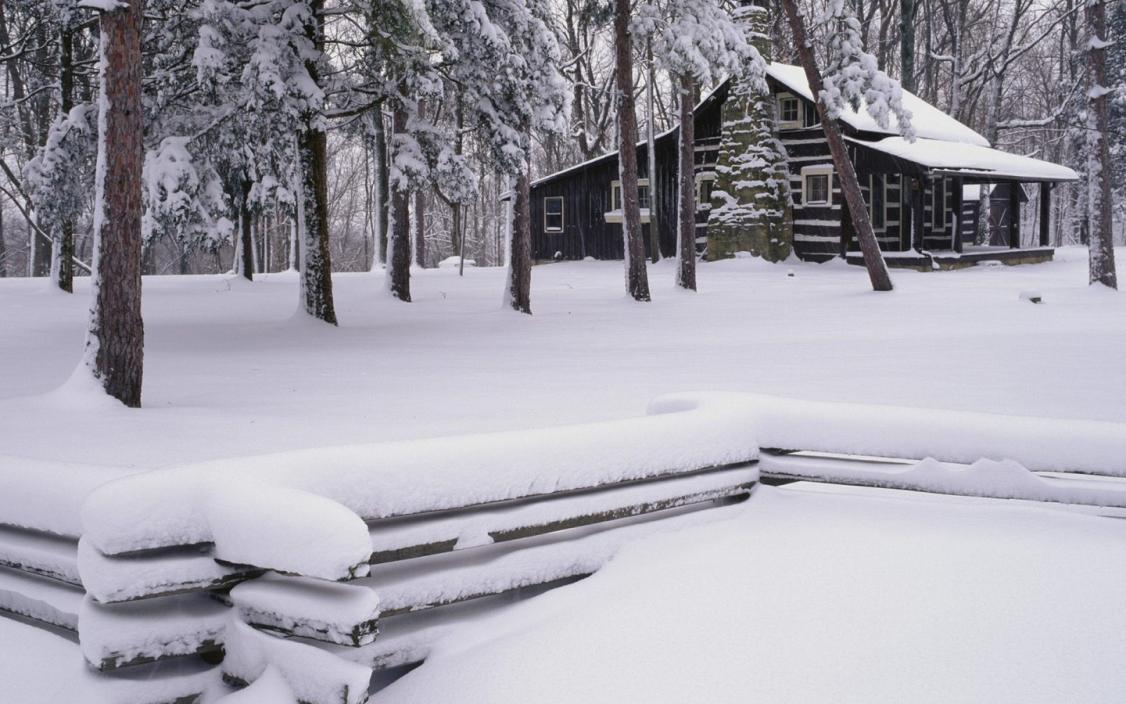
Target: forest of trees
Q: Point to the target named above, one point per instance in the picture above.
(1015, 70)
(330, 136)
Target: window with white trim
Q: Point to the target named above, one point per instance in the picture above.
(789, 111)
(553, 214)
(642, 194)
(817, 185)
(704, 184)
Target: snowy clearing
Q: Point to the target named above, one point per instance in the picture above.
(232, 373)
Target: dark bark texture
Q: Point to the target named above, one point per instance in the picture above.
(420, 227)
(637, 280)
(312, 147)
(116, 334)
(686, 189)
(842, 164)
(1101, 247)
(520, 267)
(246, 237)
(65, 254)
(399, 243)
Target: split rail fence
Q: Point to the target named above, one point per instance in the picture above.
(159, 619)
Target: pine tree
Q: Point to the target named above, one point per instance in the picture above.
(851, 76)
(637, 280)
(1116, 81)
(1101, 247)
(115, 336)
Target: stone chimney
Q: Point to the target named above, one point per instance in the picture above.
(754, 17)
(750, 206)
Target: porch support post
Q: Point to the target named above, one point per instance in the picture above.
(1014, 215)
(918, 215)
(1045, 211)
(956, 206)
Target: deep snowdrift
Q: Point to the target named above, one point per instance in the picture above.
(813, 596)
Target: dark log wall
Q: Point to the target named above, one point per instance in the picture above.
(586, 195)
(817, 229)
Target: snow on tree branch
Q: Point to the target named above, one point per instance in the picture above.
(852, 77)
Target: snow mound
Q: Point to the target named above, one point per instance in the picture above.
(269, 688)
(313, 675)
(286, 530)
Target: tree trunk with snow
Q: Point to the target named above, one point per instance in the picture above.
(520, 244)
(62, 261)
(686, 190)
(312, 150)
(651, 154)
(907, 9)
(1101, 247)
(420, 228)
(637, 280)
(399, 236)
(245, 263)
(379, 140)
(115, 337)
(842, 165)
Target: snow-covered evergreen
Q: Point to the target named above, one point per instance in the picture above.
(852, 77)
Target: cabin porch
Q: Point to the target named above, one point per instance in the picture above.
(971, 255)
(938, 222)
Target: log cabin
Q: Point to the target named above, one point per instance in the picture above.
(914, 189)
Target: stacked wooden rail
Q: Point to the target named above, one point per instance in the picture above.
(1102, 491)
(165, 597)
(426, 571)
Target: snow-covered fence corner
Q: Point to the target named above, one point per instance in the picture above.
(964, 437)
(286, 541)
(289, 566)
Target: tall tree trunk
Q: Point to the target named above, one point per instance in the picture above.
(379, 146)
(246, 237)
(312, 148)
(3, 243)
(1101, 247)
(907, 10)
(115, 337)
(399, 238)
(637, 280)
(686, 190)
(62, 259)
(520, 247)
(651, 154)
(850, 187)
(420, 227)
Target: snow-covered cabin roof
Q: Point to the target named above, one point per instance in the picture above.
(960, 159)
(929, 122)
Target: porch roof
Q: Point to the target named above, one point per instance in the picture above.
(971, 161)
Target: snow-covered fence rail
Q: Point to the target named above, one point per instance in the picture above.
(327, 548)
(308, 570)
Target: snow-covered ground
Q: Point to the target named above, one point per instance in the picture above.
(807, 596)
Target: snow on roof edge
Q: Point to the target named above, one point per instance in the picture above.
(642, 143)
(928, 120)
(961, 159)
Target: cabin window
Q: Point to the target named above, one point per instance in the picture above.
(642, 194)
(704, 184)
(789, 111)
(817, 185)
(938, 205)
(876, 201)
(553, 214)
